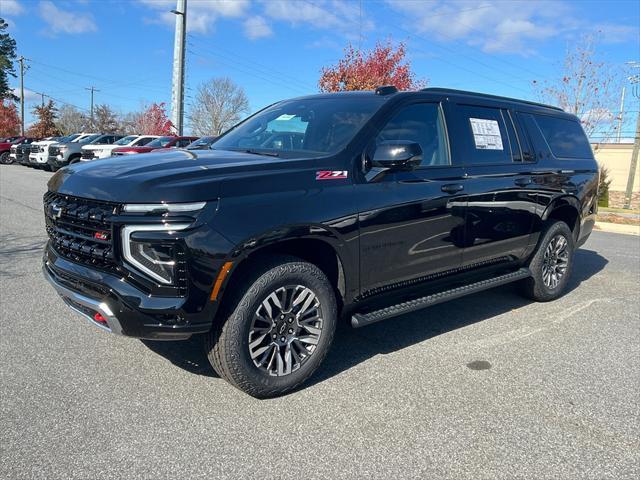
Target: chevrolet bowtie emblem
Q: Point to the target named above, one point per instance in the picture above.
(56, 211)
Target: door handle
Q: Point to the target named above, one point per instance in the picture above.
(523, 181)
(452, 187)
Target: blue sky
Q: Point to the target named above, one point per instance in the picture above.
(275, 49)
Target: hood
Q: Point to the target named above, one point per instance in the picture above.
(97, 146)
(165, 176)
(134, 149)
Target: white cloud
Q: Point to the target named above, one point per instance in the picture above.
(337, 15)
(201, 16)
(29, 96)
(257, 27)
(494, 26)
(10, 7)
(63, 21)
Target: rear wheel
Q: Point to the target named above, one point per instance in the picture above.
(276, 329)
(551, 264)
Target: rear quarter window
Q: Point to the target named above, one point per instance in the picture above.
(565, 137)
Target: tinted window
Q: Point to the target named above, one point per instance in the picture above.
(485, 135)
(161, 142)
(565, 137)
(143, 141)
(420, 123)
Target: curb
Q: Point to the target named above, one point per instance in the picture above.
(617, 228)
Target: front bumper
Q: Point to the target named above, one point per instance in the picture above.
(123, 309)
(57, 161)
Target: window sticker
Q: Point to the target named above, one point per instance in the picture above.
(486, 134)
(285, 117)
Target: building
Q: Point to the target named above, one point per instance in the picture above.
(616, 157)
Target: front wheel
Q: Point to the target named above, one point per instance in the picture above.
(276, 329)
(551, 264)
(5, 159)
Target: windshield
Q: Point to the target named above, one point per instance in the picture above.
(89, 138)
(305, 127)
(160, 142)
(126, 140)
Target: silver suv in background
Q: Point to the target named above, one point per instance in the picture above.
(62, 154)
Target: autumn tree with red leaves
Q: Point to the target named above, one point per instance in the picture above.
(357, 70)
(9, 120)
(46, 124)
(153, 121)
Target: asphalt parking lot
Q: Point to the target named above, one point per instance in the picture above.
(490, 386)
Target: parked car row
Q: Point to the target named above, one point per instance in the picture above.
(53, 153)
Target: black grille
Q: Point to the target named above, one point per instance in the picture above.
(35, 149)
(81, 229)
(88, 154)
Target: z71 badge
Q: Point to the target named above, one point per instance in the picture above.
(331, 174)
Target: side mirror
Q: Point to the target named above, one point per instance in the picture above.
(397, 155)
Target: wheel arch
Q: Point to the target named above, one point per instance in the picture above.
(323, 250)
(566, 209)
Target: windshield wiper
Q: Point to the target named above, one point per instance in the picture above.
(255, 152)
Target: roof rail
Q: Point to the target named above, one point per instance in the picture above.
(486, 95)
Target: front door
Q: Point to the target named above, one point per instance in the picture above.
(416, 226)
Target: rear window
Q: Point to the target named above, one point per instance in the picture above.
(565, 137)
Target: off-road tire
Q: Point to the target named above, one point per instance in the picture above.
(227, 344)
(534, 287)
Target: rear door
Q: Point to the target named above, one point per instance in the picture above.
(501, 200)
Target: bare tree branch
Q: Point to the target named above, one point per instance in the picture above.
(219, 105)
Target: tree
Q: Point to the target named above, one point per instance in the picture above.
(7, 57)
(586, 87)
(384, 65)
(9, 120)
(219, 105)
(71, 120)
(153, 121)
(46, 124)
(105, 120)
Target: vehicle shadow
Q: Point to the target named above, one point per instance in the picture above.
(353, 346)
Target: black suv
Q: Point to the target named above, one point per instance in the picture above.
(359, 205)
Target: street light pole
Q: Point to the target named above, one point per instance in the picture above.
(21, 60)
(177, 87)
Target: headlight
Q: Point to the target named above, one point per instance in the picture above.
(62, 149)
(163, 207)
(156, 258)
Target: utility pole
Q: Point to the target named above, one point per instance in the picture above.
(21, 60)
(92, 89)
(634, 165)
(177, 86)
(628, 194)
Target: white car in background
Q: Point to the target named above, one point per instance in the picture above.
(94, 152)
(40, 150)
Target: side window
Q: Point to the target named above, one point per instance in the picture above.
(421, 123)
(143, 141)
(485, 135)
(183, 143)
(565, 137)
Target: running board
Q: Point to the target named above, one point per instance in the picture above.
(361, 319)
